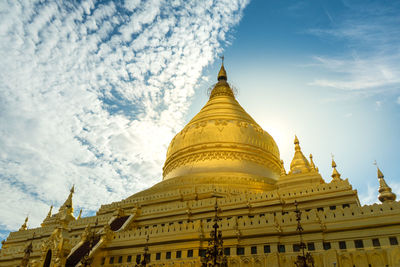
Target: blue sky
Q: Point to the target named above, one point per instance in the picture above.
(91, 93)
(327, 71)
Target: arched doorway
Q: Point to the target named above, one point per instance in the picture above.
(47, 261)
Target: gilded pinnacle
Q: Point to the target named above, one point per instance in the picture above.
(380, 174)
(312, 162)
(335, 174)
(333, 163)
(49, 213)
(283, 171)
(296, 144)
(80, 214)
(24, 226)
(222, 88)
(299, 162)
(222, 73)
(385, 192)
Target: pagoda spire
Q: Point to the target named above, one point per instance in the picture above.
(299, 162)
(49, 213)
(80, 215)
(222, 72)
(68, 203)
(335, 174)
(66, 211)
(312, 163)
(283, 171)
(385, 192)
(48, 217)
(24, 226)
(222, 88)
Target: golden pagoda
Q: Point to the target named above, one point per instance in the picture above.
(222, 171)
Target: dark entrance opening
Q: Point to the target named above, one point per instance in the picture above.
(47, 261)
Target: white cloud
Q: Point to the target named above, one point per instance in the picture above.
(370, 197)
(371, 44)
(398, 100)
(359, 74)
(91, 94)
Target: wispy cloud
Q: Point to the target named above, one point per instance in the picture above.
(371, 39)
(92, 93)
(371, 196)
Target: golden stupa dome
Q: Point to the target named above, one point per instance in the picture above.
(222, 140)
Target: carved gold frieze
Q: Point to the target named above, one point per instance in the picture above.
(220, 155)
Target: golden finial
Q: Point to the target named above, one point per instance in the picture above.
(333, 161)
(299, 162)
(312, 162)
(335, 173)
(25, 225)
(222, 72)
(80, 214)
(49, 213)
(296, 143)
(72, 189)
(385, 192)
(67, 207)
(283, 171)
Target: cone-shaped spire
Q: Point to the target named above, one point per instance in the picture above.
(67, 206)
(222, 73)
(385, 192)
(335, 174)
(283, 171)
(80, 215)
(299, 162)
(380, 174)
(296, 140)
(49, 213)
(222, 88)
(48, 217)
(24, 226)
(312, 162)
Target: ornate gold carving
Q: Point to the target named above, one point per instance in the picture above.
(60, 246)
(219, 155)
(107, 232)
(277, 226)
